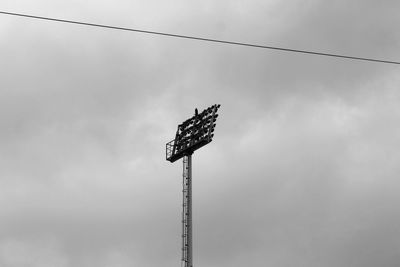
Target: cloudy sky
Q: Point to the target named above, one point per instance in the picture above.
(303, 170)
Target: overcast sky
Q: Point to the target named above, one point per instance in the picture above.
(303, 170)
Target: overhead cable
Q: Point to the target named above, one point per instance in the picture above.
(203, 39)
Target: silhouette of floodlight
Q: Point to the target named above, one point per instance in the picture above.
(191, 134)
(186, 140)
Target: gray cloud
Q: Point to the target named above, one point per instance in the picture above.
(303, 170)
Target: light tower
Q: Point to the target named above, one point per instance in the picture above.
(192, 134)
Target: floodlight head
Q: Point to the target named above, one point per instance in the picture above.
(192, 134)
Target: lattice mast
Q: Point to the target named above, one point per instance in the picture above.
(187, 244)
(192, 134)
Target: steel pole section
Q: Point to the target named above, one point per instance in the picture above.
(187, 237)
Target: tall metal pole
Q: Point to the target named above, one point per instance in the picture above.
(187, 237)
(191, 135)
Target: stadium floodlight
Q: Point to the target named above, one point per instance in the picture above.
(191, 134)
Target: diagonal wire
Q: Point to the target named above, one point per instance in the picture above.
(203, 39)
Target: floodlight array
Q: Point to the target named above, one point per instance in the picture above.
(193, 133)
